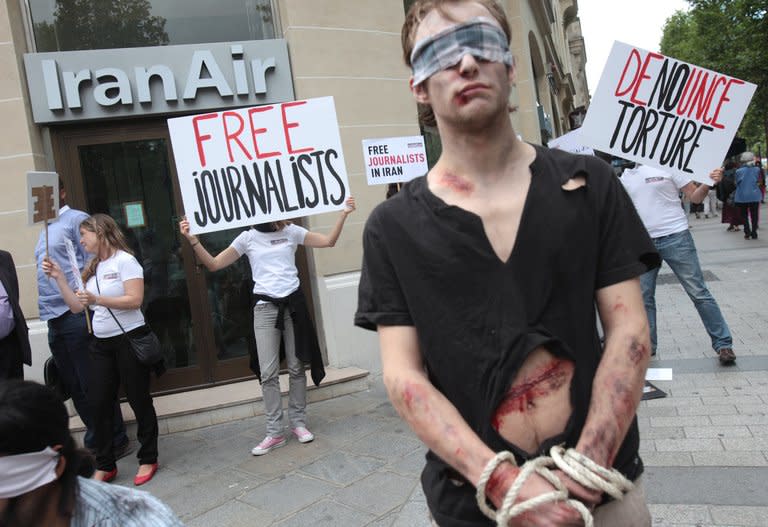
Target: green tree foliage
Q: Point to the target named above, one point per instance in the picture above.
(100, 24)
(731, 37)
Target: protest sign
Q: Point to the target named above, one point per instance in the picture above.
(664, 112)
(394, 159)
(571, 142)
(42, 197)
(252, 165)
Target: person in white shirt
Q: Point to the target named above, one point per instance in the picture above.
(655, 194)
(277, 314)
(114, 289)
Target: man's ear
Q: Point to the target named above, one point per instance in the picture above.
(419, 91)
(512, 72)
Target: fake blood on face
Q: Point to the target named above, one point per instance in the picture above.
(544, 380)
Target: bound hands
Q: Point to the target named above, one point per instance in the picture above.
(550, 514)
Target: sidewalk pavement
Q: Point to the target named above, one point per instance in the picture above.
(705, 445)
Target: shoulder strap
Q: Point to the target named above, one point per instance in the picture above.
(96, 276)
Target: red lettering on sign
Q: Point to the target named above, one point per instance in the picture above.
(287, 126)
(257, 131)
(200, 138)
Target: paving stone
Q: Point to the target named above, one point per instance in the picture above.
(387, 446)
(690, 420)
(378, 494)
(287, 495)
(662, 432)
(327, 513)
(667, 459)
(688, 445)
(752, 443)
(723, 409)
(663, 514)
(697, 432)
(746, 516)
(729, 459)
(736, 486)
(342, 468)
(233, 514)
(413, 514)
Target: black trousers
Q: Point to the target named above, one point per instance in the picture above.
(749, 210)
(114, 362)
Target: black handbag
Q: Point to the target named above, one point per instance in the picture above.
(147, 346)
(53, 379)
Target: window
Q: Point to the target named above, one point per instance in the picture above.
(66, 25)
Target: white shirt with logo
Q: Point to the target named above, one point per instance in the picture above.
(272, 256)
(656, 195)
(111, 273)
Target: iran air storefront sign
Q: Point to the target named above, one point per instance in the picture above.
(114, 83)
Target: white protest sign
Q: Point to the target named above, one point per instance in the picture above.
(265, 163)
(663, 112)
(394, 159)
(571, 142)
(42, 197)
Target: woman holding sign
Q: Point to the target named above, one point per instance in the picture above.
(114, 289)
(279, 313)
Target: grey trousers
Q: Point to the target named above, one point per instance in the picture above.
(268, 347)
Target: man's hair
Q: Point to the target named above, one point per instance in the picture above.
(32, 417)
(413, 18)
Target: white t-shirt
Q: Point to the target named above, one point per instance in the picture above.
(272, 258)
(655, 194)
(111, 273)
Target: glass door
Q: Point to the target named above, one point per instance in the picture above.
(201, 319)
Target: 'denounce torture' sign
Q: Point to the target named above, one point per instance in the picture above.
(664, 112)
(247, 166)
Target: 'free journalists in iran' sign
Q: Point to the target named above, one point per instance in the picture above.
(394, 159)
(663, 112)
(252, 165)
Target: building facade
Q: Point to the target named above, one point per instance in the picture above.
(86, 88)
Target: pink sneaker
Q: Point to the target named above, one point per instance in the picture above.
(303, 435)
(269, 443)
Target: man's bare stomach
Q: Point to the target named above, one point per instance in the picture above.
(537, 406)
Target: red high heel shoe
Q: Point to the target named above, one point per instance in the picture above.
(140, 480)
(108, 475)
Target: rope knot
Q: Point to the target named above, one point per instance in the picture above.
(577, 466)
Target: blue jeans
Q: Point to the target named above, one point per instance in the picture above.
(679, 251)
(69, 341)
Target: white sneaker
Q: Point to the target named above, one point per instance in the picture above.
(269, 443)
(303, 435)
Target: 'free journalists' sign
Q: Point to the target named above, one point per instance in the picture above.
(665, 112)
(394, 159)
(237, 168)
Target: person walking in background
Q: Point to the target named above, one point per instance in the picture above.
(68, 336)
(43, 480)
(761, 183)
(655, 195)
(280, 312)
(747, 197)
(114, 287)
(726, 189)
(14, 334)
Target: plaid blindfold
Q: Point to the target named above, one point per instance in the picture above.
(477, 37)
